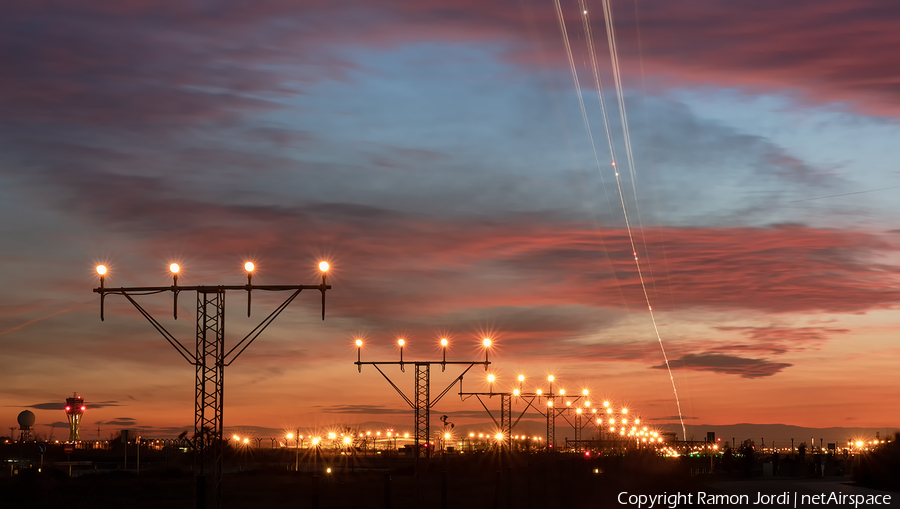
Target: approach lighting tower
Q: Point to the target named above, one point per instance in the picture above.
(423, 402)
(74, 410)
(209, 356)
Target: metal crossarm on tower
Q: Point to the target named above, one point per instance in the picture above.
(209, 357)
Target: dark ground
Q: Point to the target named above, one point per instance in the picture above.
(473, 481)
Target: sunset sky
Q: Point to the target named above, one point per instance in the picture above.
(437, 154)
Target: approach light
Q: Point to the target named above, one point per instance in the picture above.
(624, 410)
(521, 378)
(289, 436)
(358, 342)
(444, 342)
(562, 392)
(101, 269)
(323, 266)
(246, 440)
(550, 378)
(585, 392)
(491, 378)
(487, 342)
(606, 403)
(249, 266)
(401, 342)
(174, 268)
(539, 392)
(515, 392)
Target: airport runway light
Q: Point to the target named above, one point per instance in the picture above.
(585, 392)
(315, 441)
(246, 441)
(249, 268)
(444, 344)
(289, 436)
(578, 411)
(359, 355)
(521, 378)
(323, 267)
(516, 392)
(562, 392)
(174, 269)
(490, 379)
(401, 342)
(101, 271)
(487, 348)
(569, 403)
(624, 410)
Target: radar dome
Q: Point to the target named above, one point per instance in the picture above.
(26, 419)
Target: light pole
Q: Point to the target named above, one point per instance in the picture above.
(209, 358)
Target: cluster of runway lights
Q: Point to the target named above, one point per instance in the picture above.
(174, 268)
(622, 422)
